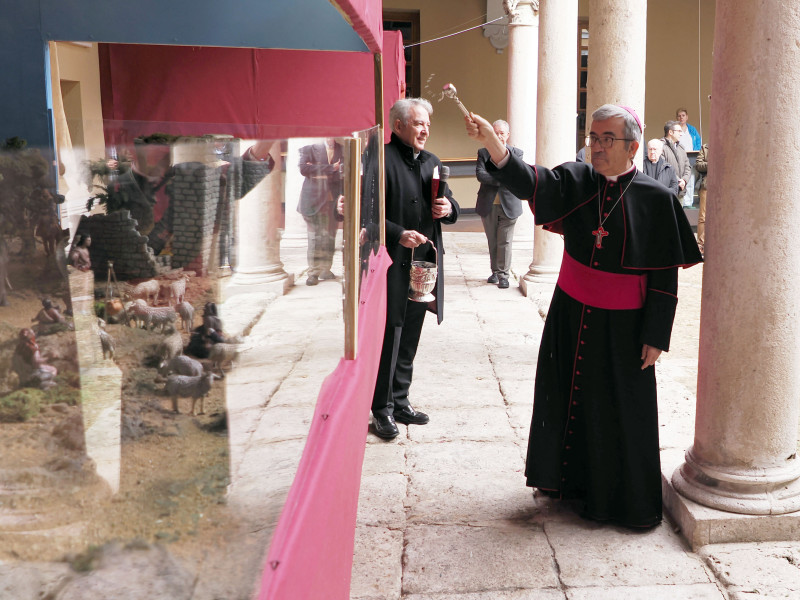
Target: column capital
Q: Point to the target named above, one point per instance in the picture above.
(521, 12)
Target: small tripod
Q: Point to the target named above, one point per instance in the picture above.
(110, 292)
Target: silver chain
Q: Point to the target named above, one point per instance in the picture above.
(600, 201)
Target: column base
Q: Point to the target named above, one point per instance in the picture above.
(259, 275)
(745, 491)
(701, 525)
(543, 273)
(243, 283)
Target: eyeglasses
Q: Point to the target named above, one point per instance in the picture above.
(677, 131)
(605, 141)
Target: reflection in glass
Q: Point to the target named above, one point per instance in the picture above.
(116, 310)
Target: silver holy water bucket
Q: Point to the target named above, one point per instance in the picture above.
(423, 278)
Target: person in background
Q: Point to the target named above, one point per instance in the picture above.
(659, 169)
(320, 164)
(691, 141)
(702, 167)
(690, 137)
(499, 210)
(676, 156)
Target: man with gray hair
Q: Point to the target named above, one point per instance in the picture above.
(659, 169)
(594, 430)
(417, 203)
(677, 158)
(499, 210)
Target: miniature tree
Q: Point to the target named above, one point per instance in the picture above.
(25, 184)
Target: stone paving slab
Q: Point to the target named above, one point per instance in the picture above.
(594, 555)
(518, 389)
(447, 559)
(382, 500)
(763, 570)
(456, 390)
(537, 594)
(519, 416)
(699, 591)
(470, 497)
(280, 423)
(464, 424)
(382, 550)
(384, 458)
(458, 456)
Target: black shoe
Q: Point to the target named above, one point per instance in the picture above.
(327, 275)
(502, 283)
(492, 278)
(385, 427)
(312, 280)
(409, 416)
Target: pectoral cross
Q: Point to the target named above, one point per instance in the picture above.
(599, 234)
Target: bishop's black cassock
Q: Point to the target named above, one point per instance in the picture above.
(594, 431)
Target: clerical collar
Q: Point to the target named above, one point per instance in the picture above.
(615, 177)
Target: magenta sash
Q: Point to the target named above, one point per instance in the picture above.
(611, 291)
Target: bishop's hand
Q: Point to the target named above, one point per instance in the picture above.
(481, 130)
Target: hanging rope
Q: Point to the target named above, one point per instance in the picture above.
(452, 34)
(699, 63)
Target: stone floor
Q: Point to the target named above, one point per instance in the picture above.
(444, 513)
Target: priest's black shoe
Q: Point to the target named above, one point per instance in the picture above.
(409, 416)
(385, 427)
(492, 278)
(503, 283)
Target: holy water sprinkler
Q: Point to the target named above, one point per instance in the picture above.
(449, 90)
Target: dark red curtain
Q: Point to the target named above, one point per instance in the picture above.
(252, 93)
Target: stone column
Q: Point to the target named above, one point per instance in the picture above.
(744, 456)
(259, 266)
(617, 43)
(555, 118)
(523, 40)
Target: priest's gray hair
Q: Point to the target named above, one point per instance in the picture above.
(402, 109)
(609, 111)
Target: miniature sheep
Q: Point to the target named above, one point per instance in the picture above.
(145, 290)
(221, 353)
(186, 313)
(163, 320)
(187, 386)
(170, 347)
(180, 365)
(151, 316)
(177, 290)
(106, 341)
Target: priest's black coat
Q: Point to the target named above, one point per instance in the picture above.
(408, 206)
(594, 430)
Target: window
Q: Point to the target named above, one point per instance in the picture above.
(407, 22)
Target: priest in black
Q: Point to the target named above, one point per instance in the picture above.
(415, 209)
(594, 431)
